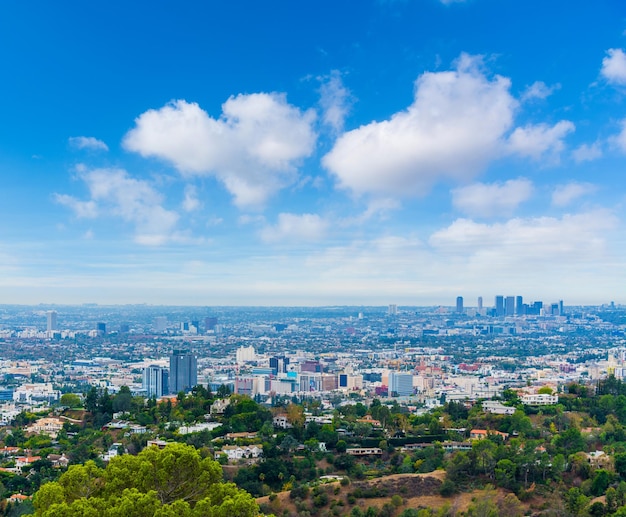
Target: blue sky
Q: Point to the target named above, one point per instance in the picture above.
(312, 153)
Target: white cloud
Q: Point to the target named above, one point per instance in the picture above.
(456, 126)
(573, 238)
(619, 140)
(294, 227)
(452, 130)
(587, 153)
(114, 192)
(191, 201)
(535, 141)
(614, 66)
(335, 101)
(564, 195)
(253, 148)
(538, 90)
(495, 199)
(82, 209)
(88, 142)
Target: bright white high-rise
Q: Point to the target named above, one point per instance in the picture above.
(52, 321)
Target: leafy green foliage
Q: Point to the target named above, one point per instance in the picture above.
(174, 481)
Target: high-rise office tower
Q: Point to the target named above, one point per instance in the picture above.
(480, 303)
(509, 306)
(160, 323)
(183, 371)
(400, 384)
(393, 309)
(155, 381)
(101, 328)
(519, 306)
(499, 305)
(279, 364)
(459, 304)
(210, 322)
(52, 321)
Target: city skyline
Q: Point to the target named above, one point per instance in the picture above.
(401, 153)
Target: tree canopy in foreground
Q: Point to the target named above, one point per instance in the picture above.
(174, 481)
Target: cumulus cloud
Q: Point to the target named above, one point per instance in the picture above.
(494, 199)
(253, 148)
(114, 192)
(587, 153)
(191, 201)
(538, 90)
(295, 227)
(88, 142)
(614, 66)
(576, 237)
(535, 141)
(564, 195)
(457, 124)
(335, 101)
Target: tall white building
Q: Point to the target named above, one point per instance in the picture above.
(400, 384)
(245, 353)
(52, 321)
(155, 381)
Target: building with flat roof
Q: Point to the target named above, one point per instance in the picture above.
(155, 381)
(183, 371)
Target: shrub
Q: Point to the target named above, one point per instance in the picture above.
(320, 500)
(299, 492)
(447, 488)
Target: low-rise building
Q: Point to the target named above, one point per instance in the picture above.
(238, 452)
(481, 434)
(497, 408)
(364, 451)
(49, 426)
(539, 399)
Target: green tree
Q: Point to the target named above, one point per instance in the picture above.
(505, 474)
(601, 481)
(123, 400)
(341, 446)
(70, 400)
(175, 481)
(91, 400)
(576, 501)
